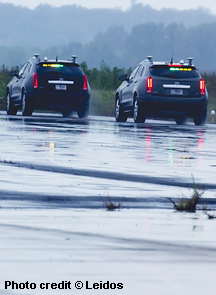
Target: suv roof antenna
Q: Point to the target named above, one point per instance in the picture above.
(171, 62)
(74, 57)
(37, 56)
(190, 60)
(150, 58)
(57, 57)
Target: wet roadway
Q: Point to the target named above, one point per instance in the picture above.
(56, 175)
(62, 160)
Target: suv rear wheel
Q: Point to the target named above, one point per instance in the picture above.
(27, 109)
(119, 114)
(200, 117)
(139, 112)
(83, 111)
(180, 119)
(66, 113)
(11, 109)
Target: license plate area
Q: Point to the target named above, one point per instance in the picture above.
(61, 87)
(176, 91)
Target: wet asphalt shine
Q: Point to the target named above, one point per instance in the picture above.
(78, 163)
(57, 174)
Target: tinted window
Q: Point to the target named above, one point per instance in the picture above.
(22, 69)
(133, 74)
(28, 67)
(59, 69)
(140, 71)
(174, 72)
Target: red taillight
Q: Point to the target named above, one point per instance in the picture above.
(149, 85)
(202, 86)
(35, 81)
(85, 83)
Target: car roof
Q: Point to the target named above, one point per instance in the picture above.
(149, 61)
(58, 61)
(36, 58)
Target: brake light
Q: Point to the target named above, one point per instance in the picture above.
(172, 65)
(202, 86)
(35, 81)
(149, 85)
(85, 83)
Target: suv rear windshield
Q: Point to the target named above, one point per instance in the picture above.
(56, 68)
(174, 71)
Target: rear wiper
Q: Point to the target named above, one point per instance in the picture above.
(170, 76)
(54, 72)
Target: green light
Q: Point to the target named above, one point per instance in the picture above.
(53, 65)
(181, 69)
(174, 69)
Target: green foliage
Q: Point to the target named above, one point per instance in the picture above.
(104, 83)
(102, 102)
(104, 78)
(122, 38)
(188, 204)
(47, 25)
(4, 79)
(210, 80)
(111, 206)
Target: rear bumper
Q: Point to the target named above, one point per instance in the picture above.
(58, 100)
(169, 106)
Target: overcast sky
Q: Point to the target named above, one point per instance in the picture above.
(124, 4)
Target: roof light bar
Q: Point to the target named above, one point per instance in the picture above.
(181, 69)
(53, 65)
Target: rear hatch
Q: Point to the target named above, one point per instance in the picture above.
(59, 76)
(175, 80)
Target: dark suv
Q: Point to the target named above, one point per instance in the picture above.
(162, 89)
(58, 85)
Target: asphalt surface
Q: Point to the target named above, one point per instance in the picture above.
(83, 163)
(56, 176)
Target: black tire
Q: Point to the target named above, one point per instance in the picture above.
(200, 117)
(180, 119)
(66, 113)
(138, 112)
(11, 109)
(119, 114)
(83, 111)
(27, 108)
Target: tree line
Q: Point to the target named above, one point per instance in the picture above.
(124, 49)
(47, 26)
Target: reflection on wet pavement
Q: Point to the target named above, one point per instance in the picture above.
(156, 149)
(52, 170)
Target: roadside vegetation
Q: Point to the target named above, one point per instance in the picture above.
(4, 79)
(111, 206)
(188, 204)
(104, 82)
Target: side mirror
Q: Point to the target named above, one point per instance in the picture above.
(13, 73)
(123, 77)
